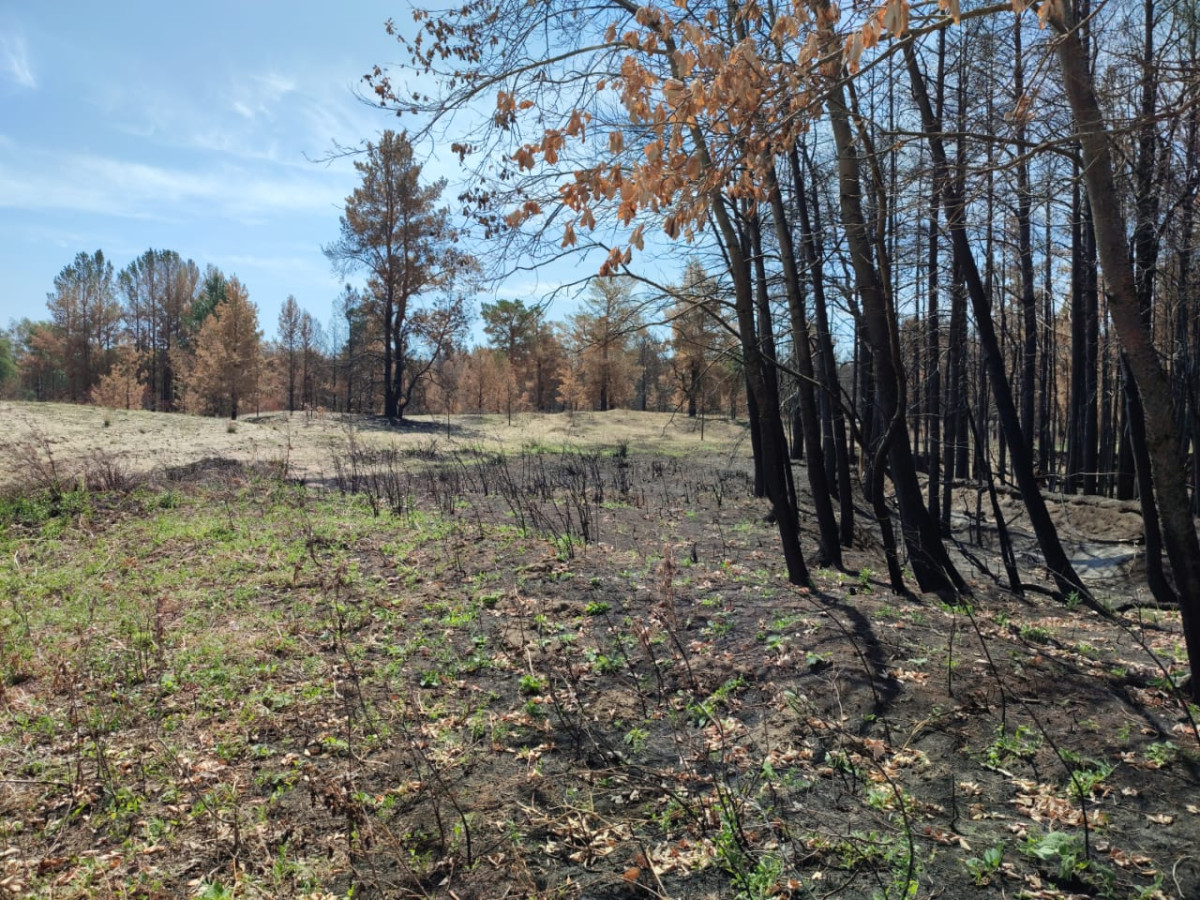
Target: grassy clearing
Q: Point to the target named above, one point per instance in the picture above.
(65, 441)
(549, 675)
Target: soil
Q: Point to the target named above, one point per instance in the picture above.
(639, 705)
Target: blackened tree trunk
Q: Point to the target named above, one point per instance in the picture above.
(1162, 442)
(1025, 254)
(933, 349)
(837, 441)
(931, 564)
(770, 424)
(830, 550)
(752, 229)
(1066, 579)
(1089, 286)
(1145, 263)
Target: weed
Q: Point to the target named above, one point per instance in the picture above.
(984, 868)
(1086, 778)
(1061, 850)
(603, 665)
(635, 740)
(1161, 754)
(1036, 634)
(1023, 743)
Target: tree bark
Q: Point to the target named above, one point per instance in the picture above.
(830, 550)
(1162, 442)
(1060, 567)
(836, 440)
(931, 564)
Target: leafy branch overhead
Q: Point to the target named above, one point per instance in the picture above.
(667, 105)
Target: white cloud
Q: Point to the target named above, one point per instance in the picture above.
(14, 61)
(285, 119)
(107, 186)
(257, 96)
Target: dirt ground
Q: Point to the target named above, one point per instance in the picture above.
(570, 670)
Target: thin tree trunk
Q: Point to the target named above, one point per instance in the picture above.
(1025, 253)
(828, 368)
(1066, 579)
(931, 564)
(830, 553)
(1162, 443)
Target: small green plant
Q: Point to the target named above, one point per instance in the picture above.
(1161, 754)
(815, 661)
(604, 665)
(1062, 851)
(530, 685)
(864, 579)
(636, 738)
(1036, 634)
(213, 890)
(722, 694)
(776, 643)
(564, 547)
(1021, 744)
(984, 868)
(597, 608)
(719, 625)
(1085, 779)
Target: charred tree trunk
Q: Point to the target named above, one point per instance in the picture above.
(830, 544)
(752, 226)
(837, 439)
(931, 564)
(1025, 253)
(1056, 559)
(1162, 443)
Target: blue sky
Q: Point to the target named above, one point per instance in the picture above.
(185, 126)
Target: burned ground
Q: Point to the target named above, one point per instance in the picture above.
(554, 673)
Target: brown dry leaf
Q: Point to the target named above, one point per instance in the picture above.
(1143, 864)
(683, 856)
(1042, 804)
(1160, 819)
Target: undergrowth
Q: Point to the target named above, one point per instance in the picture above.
(540, 676)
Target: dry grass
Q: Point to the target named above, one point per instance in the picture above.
(40, 434)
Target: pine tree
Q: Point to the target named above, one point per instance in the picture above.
(228, 356)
